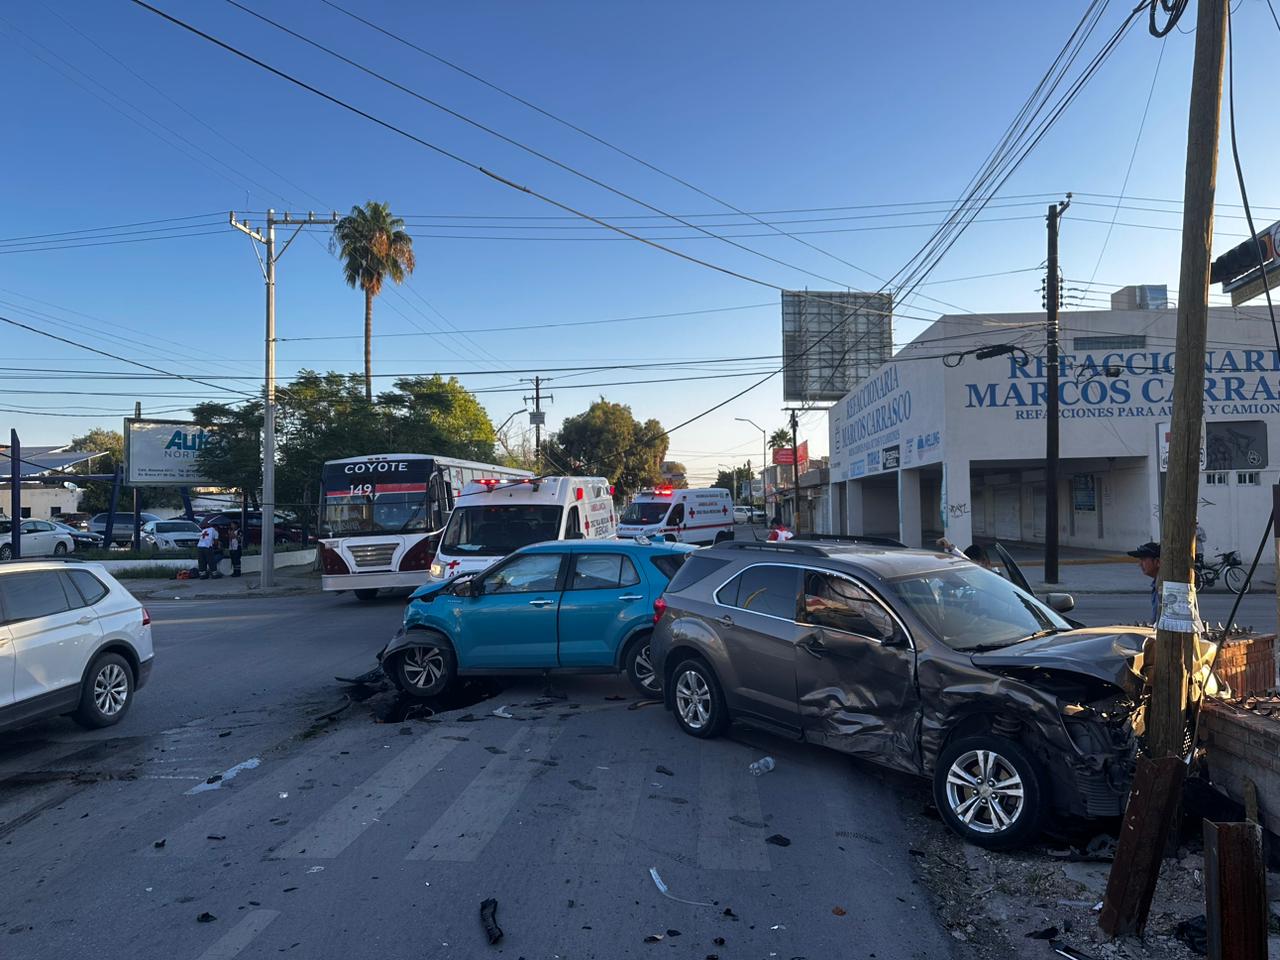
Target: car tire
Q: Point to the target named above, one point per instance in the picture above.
(1005, 817)
(59, 549)
(637, 662)
(722, 536)
(107, 692)
(426, 669)
(6, 551)
(366, 596)
(698, 700)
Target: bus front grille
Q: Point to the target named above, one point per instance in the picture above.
(373, 554)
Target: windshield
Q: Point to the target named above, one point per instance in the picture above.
(969, 608)
(395, 500)
(646, 512)
(177, 526)
(497, 530)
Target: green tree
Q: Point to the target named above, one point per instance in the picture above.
(735, 482)
(373, 246)
(607, 440)
(95, 496)
(780, 438)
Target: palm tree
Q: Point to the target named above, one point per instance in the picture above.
(780, 438)
(373, 246)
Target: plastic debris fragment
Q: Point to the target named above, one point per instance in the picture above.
(489, 920)
(662, 889)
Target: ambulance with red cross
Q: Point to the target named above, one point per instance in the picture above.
(701, 515)
(494, 517)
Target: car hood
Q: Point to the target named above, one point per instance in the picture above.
(1111, 654)
(428, 590)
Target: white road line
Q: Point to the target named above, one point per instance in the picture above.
(354, 813)
(471, 821)
(726, 789)
(600, 831)
(240, 936)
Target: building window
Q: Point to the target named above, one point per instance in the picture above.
(26, 513)
(1216, 478)
(1249, 478)
(55, 511)
(1126, 342)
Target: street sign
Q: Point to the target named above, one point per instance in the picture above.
(1239, 272)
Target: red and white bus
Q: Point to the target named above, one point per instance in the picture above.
(381, 516)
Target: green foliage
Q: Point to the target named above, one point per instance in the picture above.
(734, 482)
(780, 438)
(95, 496)
(606, 440)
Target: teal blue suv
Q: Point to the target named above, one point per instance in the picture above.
(567, 606)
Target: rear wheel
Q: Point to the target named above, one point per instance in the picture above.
(365, 596)
(638, 663)
(987, 789)
(724, 535)
(1236, 579)
(6, 551)
(107, 692)
(699, 702)
(59, 549)
(426, 669)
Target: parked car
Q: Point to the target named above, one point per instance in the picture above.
(916, 660)
(40, 538)
(122, 529)
(74, 642)
(83, 539)
(576, 605)
(170, 534)
(741, 514)
(757, 515)
(286, 530)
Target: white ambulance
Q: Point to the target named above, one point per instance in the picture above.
(702, 515)
(492, 518)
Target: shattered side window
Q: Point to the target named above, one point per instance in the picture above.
(840, 604)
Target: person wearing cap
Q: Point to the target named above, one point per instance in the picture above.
(1148, 557)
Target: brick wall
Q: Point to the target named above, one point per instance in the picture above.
(1240, 744)
(1248, 664)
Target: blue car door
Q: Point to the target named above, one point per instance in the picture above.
(604, 600)
(512, 622)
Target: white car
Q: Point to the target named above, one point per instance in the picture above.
(170, 534)
(72, 641)
(741, 514)
(40, 538)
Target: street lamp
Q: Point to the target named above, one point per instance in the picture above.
(510, 418)
(764, 446)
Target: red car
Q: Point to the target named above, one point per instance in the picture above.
(286, 530)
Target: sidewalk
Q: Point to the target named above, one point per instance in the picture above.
(1081, 577)
(290, 581)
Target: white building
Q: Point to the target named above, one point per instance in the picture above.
(922, 448)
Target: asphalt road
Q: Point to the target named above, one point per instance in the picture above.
(350, 838)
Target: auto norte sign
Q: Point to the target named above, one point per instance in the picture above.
(164, 453)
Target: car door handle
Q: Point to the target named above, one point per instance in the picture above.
(726, 620)
(85, 620)
(541, 603)
(813, 646)
(631, 596)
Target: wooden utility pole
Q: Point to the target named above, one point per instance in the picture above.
(1053, 298)
(795, 474)
(1133, 875)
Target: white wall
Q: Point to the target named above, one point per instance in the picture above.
(42, 500)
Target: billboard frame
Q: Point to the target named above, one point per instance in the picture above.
(832, 340)
(130, 464)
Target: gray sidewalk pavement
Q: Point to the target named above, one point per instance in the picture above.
(290, 581)
(1112, 577)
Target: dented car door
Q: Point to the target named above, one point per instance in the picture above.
(855, 672)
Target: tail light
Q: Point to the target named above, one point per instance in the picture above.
(331, 562)
(659, 608)
(146, 617)
(420, 555)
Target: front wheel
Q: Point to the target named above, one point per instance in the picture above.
(425, 670)
(366, 596)
(107, 692)
(1236, 579)
(699, 701)
(59, 549)
(6, 551)
(638, 663)
(987, 789)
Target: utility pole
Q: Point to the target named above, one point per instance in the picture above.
(764, 464)
(795, 474)
(1157, 787)
(1053, 297)
(137, 494)
(537, 418)
(268, 266)
(15, 495)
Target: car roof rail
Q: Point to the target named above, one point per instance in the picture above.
(786, 546)
(851, 538)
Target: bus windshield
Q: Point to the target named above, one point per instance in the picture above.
(497, 530)
(394, 498)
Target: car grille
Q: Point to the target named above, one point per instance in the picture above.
(373, 554)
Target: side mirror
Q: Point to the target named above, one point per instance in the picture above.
(1061, 602)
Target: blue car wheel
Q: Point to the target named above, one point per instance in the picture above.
(426, 669)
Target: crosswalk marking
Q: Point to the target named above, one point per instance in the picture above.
(600, 832)
(240, 936)
(352, 815)
(470, 822)
(725, 790)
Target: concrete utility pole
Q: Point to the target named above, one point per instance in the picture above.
(1052, 298)
(137, 494)
(537, 418)
(795, 473)
(15, 495)
(268, 266)
(1157, 787)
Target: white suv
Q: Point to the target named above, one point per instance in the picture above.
(72, 640)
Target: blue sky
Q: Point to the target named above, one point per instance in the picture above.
(770, 106)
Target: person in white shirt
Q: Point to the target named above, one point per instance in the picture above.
(778, 532)
(204, 552)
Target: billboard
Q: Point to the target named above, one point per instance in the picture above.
(832, 340)
(783, 456)
(162, 453)
(1239, 271)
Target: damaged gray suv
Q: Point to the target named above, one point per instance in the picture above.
(915, 660)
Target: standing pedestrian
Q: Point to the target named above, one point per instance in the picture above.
(233, 548)
(204, 551)
(778, 532)
(1148, 557)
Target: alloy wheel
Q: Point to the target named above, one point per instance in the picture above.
(644, 669)
(985, 791)
(423, 666)
(111, 689)
(693, 699)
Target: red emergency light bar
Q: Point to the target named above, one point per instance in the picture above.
(577, 493)
(663, 491)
